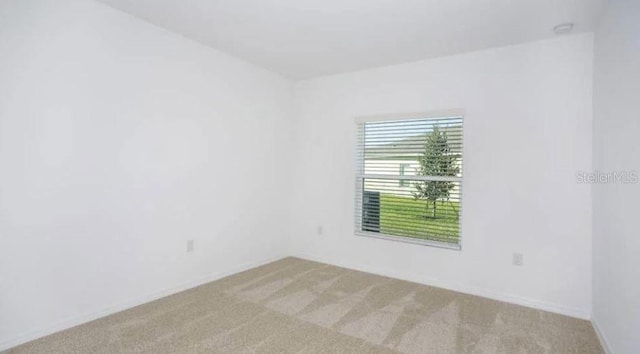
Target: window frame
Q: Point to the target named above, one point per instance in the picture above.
(360, 176)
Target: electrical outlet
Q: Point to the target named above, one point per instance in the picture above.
(189, 245)
(517, 259)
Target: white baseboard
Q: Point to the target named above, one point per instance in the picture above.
(87, 317)
(491, 294)
(601, 336)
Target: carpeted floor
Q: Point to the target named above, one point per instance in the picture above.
(298, 306)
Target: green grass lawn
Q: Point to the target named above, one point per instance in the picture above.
(411, 218)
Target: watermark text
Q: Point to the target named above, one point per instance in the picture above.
(601, 177)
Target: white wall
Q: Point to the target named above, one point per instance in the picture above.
(119, 141)
(527, 132)
(616, 241)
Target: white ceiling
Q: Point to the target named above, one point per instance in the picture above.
(303, 38)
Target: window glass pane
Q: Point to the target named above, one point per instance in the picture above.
(431, 146)
(394, 210)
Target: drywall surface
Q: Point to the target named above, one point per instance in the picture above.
(527, 133)
(120, 141)
(616, 245)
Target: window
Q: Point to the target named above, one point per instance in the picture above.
(403, 169)
(409, 179)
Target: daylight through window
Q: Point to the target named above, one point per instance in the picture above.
(409, 180)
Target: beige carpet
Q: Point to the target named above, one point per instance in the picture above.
(298, 306)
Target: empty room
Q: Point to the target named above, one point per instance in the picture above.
(306, 176)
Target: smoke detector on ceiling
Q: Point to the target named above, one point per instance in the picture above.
(563, 28)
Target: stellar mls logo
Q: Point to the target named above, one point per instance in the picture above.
(599, 177)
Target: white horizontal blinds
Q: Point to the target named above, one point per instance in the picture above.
(408, 182)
